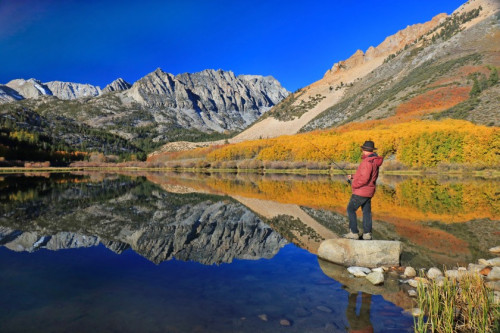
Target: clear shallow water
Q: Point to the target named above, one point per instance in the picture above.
(93, 289)
(184, 253)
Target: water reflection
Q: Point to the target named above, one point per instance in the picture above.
(359, 322)
(215, 218)
(76, 211)
(440, 220)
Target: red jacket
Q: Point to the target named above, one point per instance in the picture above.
(365, 178)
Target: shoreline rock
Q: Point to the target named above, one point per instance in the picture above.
(370, 254)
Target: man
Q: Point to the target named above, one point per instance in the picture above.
(363, 188)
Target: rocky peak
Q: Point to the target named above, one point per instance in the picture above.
(117, 85)
(389, 46)
(31, 88)
(70, 90)
(210, 95)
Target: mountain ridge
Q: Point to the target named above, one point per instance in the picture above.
(397, 54)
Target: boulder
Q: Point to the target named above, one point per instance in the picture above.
(494, 275)
(475, 268)
(375, 278)
(349, 252)
(494, 262)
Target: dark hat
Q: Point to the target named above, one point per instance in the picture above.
(368, 146)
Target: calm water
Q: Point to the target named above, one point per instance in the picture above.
(156, 252)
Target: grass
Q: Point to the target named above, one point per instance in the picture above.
(463, 305)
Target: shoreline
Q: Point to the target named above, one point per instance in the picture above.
(489, 173)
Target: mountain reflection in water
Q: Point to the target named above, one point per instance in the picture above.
(64, 211)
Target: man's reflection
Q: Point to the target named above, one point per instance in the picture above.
(359, 323)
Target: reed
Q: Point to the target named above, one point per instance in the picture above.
(462, 305)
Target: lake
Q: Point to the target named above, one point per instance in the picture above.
(221, 252)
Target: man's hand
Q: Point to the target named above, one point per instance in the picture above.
(349, 177)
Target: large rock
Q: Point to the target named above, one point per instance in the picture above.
(350, 252)
(494, 262)
(494, 275)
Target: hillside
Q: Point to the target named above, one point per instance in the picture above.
(423, 71)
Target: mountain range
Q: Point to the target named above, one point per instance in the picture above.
(158, 108)
(444, 68)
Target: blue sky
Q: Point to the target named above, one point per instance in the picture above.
(97, 41)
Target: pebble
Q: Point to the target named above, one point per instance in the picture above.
(375, 278)
(358, 271)
(410, 272)
(433, 273)
(495, 249)
(494, 275)
(263, 317)
(324, 308)
(285, 322)
(378, 269)
(412, 293)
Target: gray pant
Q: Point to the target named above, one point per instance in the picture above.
(366, 205)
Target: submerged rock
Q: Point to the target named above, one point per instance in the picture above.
(285, 322)
(323, 308)
(263, 317)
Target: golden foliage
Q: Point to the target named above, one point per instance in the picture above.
(418, 143)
